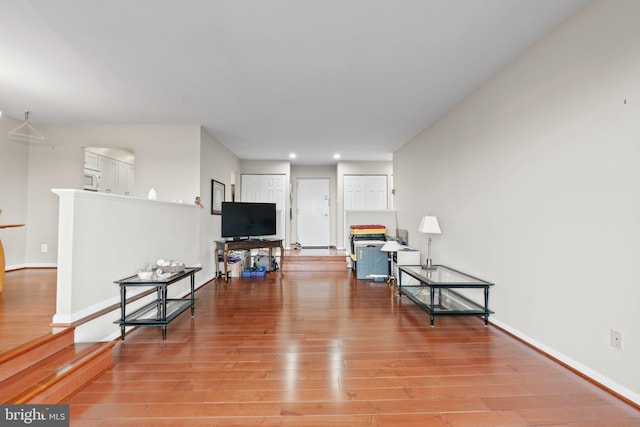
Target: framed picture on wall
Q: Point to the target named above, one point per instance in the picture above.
(217, 197)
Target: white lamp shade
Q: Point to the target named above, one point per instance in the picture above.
(391, 246)
(429, 225)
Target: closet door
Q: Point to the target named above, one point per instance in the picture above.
(270, 189)
(365, 192)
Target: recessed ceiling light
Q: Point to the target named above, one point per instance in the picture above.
(292, 155)
(336, 156)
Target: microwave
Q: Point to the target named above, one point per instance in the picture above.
(92, 179)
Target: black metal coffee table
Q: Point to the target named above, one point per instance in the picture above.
(433, 291)
(160, 311)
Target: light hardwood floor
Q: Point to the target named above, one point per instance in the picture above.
(322, 349)
(27, 306)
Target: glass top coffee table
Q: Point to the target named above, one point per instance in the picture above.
(443, 291)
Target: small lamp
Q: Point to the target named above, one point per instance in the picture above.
(391, 246)
(429, 225)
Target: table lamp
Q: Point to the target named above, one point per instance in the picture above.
(429, 225)
(391, 246)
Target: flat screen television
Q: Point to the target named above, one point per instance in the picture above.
(243, 220)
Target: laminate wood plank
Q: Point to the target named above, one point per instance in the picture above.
(442, 392)
(27, 306)
(485, 419)
(275, 421)
(412, 420)
(40, 370)
(581, 416)
(314, 349)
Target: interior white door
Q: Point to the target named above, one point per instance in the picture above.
(270, 189)
(365, 192)
(314, 220)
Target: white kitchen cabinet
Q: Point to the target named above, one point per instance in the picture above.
(109, 168)
(130, 179)
(122, 178)
(117, 176)
(91, 160)
(125, 178)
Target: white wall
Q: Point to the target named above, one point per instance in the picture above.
(14, 160)
(536, 184)
(265, 167)
(216, 162)
(167, 159)
(133, 233)
(178, 161)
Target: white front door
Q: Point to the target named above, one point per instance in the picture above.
(313, 212)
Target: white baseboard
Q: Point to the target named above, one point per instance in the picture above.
(14, 267)
(42, 265)
(31, 265)
(579, 367)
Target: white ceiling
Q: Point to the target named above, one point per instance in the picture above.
(265, 77)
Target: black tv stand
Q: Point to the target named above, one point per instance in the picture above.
(249, 239)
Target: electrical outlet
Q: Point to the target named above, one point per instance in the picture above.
(616, 339)
(44, 248)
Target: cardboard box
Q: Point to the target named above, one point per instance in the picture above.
(237, 262)
(235, 269)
